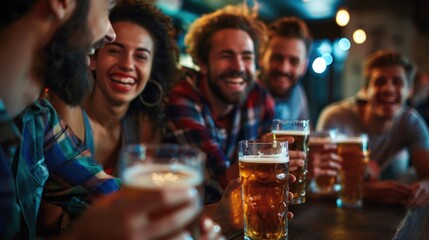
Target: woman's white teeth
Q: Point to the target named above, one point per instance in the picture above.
(123, 80)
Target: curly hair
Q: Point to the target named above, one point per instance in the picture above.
(165, 68)
(291, 27)
(198, 37)
(387, 58)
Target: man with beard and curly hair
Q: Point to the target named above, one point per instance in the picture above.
(44, 43)
(221, 104)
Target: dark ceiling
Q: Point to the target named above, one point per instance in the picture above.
(319, 14)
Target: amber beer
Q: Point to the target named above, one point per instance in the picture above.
(318, 141)
(301, 138)
(264, 180)
(354, 152)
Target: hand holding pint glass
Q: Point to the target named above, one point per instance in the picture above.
(300, 131)
(324, 162)
(353, 149)
(155, 170)
(264, 178)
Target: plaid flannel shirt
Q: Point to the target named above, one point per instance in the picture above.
(50, 150)
(190, 121)
(9, 213)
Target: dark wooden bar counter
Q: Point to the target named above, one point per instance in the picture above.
(321, 219)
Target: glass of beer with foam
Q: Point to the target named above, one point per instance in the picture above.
(300, 131)
(322, 142)
(354, 151)
(157, 168)
(264, 177)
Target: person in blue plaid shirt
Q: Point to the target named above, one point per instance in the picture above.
(221, 104)
(39, 48)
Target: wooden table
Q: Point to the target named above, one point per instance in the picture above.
(321, 219)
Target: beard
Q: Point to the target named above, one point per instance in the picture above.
(236, 98)
(275, 90)
(64, 66)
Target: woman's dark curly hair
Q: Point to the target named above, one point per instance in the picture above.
(165, 61)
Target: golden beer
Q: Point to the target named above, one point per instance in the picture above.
(323, 183)
(354, 152)
(264, 189)
(300, 144)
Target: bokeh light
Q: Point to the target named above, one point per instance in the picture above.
(342, 18)
(359, 36)
(319, 65)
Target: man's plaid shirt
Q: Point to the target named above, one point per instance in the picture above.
(190, 121)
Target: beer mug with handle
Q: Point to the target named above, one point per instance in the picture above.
(263, 167)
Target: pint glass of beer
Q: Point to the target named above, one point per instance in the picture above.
(163, 167)
(322, 142)
(264, 178)
(300, 131)
(354, 151)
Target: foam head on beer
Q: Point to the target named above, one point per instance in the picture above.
(161, 166)
(152, 176)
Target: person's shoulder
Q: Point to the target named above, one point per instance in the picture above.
(411, 116)
(258, 93)
(40, 106)
(187, 90)
(344, 105)
(188, 81)
(258, 88)
(41, 112)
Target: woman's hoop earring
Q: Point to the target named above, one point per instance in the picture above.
(154, 103)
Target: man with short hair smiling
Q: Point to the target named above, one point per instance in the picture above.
(393, 130)
(283, 63)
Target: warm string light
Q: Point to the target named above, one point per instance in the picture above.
(342, 18)
(359, 36)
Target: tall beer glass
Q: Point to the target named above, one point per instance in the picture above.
(264, 178)
(354, 151)
(322, 184)
(300, 131)
(152, 168)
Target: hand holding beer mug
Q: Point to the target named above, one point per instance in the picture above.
(324, 163)
(353, 149)
(156, 169)
(300, 131)
(264, 178)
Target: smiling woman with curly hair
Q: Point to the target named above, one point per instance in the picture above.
(132, 77)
